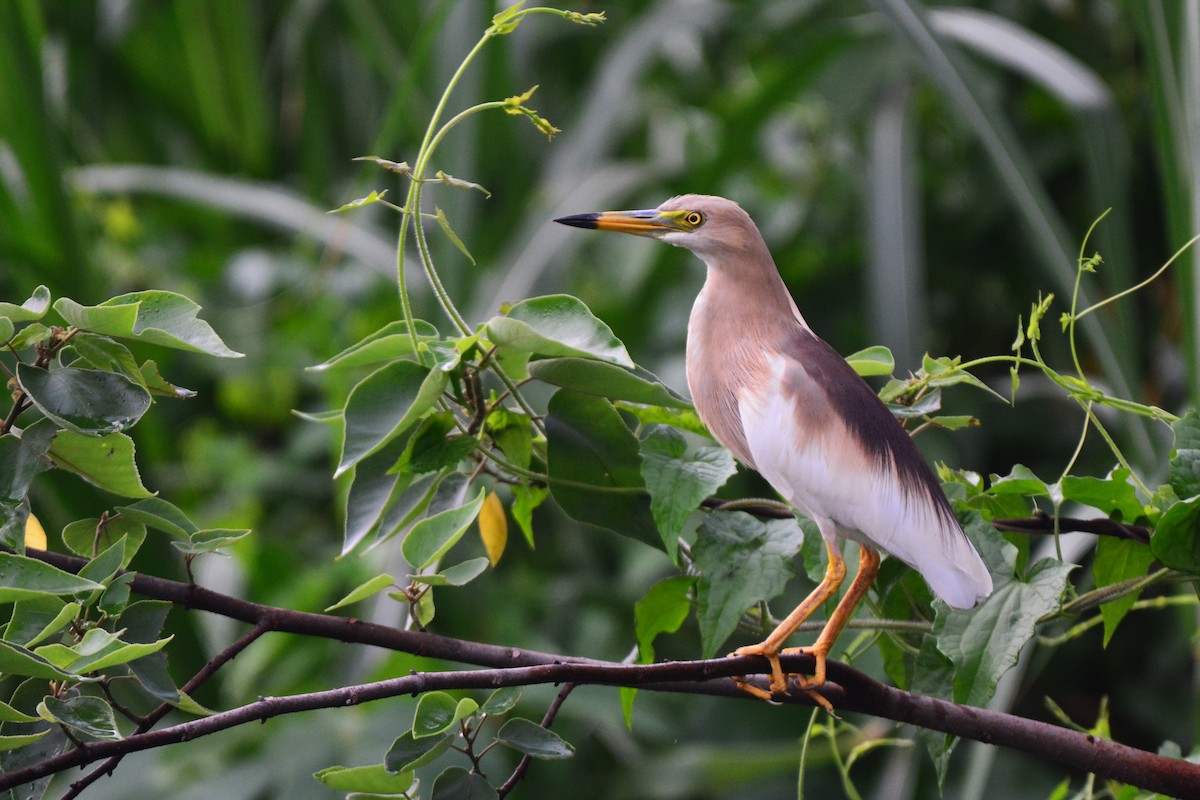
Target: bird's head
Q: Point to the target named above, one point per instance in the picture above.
(713, 228)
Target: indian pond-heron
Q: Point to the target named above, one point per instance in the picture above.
(787, 405)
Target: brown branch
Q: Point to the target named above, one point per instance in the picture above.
(848, 690)
(547, 720)
(152, 719)
(1040, 522)
(1044, 523)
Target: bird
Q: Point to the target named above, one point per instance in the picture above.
(787, 405)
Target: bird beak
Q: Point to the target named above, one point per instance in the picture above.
(650, 222)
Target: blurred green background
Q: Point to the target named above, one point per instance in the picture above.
(920, 174)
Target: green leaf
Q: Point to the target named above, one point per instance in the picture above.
(120, 653)
(36, 619)
(85, 401)
(156, 513)
(511, 431)
(107, 355)
(31, 310)
(678, 480)
(557, 325)
(455, 783)
(587, 443)
(374, 778)
(7, 329)
(373, 488)
(31, 336)
(600, 378)
(154, 317)
(743, 561)
(370, 199)
(1112, 495)
(501, 701)
(533, 740)
(875, 360)
(407, 753)
(431, 447)
(23, 458)
(430, 538)
(933, 675)
(685, 419)
(383, 405)
(662, 610)
(86, 537)
(10, 714)
(1176, 539)
(449, 231)
(458, 575)
(104, 566)
(1118, 560)
(22, 578)
(1020, 481)
(18, 741)
(1185, 455)
(17, 660)
(984, 642)
(525, 500)
(365, 590)
(103, 461)
(390, 342)
(210, 540)
(438, 712)
(90, 716)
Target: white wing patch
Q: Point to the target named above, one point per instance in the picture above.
(811, 459)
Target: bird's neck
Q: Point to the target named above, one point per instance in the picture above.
(747, 299)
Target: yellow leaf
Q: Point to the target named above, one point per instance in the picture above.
(493, 528)
(35, 534)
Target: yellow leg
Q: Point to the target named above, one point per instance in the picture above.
(868, 568)
(771, 647)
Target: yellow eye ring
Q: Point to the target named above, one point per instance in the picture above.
(694, 218)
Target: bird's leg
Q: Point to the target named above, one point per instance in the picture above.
(868, 568)
(770, 647)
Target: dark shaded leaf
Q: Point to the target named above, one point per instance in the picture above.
(85, 715)
(85, 400)
(456, 783)
(533, 740)
(1176, 539)
(407, 753)
(382, 406)
(587, 443)
(438, 712)
(1118, 560)
(1185, 455)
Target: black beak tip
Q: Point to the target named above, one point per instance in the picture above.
(579, 220)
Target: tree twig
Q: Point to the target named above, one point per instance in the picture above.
(848, 690)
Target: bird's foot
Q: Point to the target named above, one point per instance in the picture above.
(780, 679)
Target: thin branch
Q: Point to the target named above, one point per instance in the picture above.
(151, 719)
(848, 690)
(523, 766)
(1044, 523)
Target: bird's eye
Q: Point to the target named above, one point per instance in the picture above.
(694, 218)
